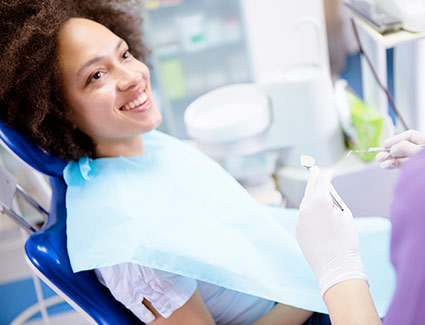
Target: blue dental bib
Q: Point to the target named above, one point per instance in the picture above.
(176, 210)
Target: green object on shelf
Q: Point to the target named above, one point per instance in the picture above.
(369, 126)
(173, 79)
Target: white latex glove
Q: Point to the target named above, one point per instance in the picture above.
(401, 146)
(327, 236)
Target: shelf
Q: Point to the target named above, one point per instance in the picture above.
(389, 40)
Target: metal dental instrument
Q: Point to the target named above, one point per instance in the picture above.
(308, 162)
(374, 150)
(378, 149)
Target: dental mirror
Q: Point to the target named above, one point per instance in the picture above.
(308, 162)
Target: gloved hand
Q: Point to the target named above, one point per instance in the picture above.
(401, 146)
(327, 236)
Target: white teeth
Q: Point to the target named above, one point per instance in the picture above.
(143, 98)
(134, 103)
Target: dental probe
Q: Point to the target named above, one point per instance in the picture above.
(308, 162)
(379, 149)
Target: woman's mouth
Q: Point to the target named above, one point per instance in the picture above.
(135, 103)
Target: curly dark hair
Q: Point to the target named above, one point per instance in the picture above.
(31, 95)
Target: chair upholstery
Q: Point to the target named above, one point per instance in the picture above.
(46, 249)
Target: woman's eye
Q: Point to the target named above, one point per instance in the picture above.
(95, 76)
(126, 54)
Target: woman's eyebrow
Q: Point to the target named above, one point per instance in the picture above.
(97, 58)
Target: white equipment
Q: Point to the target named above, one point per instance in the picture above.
(249, 126)
(259, 129)
(292, 111)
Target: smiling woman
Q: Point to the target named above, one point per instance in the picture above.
(108, 90)
(31, 93)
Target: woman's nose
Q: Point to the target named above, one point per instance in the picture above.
(129, 79)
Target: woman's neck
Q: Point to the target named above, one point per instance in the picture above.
(123, 147)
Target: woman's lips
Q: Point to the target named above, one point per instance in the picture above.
(135, 103)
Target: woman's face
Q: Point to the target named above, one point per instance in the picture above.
(108, 90)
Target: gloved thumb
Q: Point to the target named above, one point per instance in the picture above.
(323, 183)
(313, 176)
(404, 149)
(319, 181)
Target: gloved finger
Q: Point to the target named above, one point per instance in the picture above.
(393, 163)
(322, 184)
(409, 135)
(313, 175)
(404, 149)
(331, 173)
(382, 156)
(317, 187)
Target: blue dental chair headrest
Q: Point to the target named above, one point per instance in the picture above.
(30, 153)
(46, 249)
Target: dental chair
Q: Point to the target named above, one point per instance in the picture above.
(46, 250)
